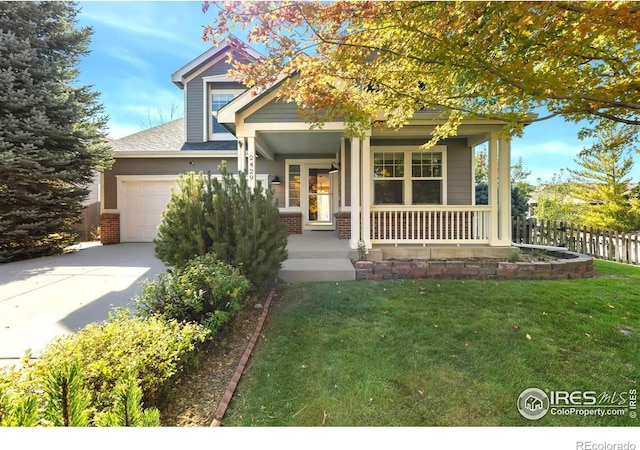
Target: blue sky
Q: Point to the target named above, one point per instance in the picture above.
(136, 46)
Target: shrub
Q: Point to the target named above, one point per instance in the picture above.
(127, 408)
(55, 395)
(19, 406)
(183, 233)
(205, 291)
(226, 217)
(152, 348)
(68, 402)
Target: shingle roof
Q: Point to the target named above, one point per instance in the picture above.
(168, 137)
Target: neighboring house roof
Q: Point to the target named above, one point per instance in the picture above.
(168, 137)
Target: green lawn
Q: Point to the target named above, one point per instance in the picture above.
(441, 353)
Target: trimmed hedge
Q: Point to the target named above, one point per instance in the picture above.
(204, 291)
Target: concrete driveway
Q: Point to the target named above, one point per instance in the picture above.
(47, 297)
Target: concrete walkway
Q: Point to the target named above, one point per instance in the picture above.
(47, 297)
(317, 256)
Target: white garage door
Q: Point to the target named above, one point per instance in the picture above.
(141, 208)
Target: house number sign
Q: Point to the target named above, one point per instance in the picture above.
(251, 169)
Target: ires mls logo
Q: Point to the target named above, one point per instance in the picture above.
(534, 403)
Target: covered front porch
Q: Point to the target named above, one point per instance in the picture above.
(448, 216)
(380, 188)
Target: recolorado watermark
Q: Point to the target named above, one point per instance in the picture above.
(534, 404)
(588, 445)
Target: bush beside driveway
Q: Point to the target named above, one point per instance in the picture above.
(46, 297)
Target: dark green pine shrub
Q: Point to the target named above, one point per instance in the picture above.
(205, 291)
(225, 217)
(183, 232)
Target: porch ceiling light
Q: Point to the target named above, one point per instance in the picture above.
(334, 168)
(275, 180)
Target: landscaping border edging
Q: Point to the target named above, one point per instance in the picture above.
(570, 265)
(231, 388)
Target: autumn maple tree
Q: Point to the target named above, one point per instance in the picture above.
(364, 60)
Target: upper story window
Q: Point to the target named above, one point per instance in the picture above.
(217, 99)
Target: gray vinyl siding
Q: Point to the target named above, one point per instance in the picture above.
(173, 166)
(194, 111)
(275, 111)
(194, 98)
(459, 164)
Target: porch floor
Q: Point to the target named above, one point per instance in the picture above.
(317, 256)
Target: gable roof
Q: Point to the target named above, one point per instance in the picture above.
(226, 115)
(178, 76)
(168, 137)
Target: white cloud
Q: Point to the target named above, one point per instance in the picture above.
(151, 21)
(127, 56)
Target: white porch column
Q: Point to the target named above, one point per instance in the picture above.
(343, 177)
(355, 193)
(493, 191)
(504, 196)
(242, 152)
(251, 161)
(366, 190)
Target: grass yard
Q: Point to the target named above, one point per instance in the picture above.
(441, 353)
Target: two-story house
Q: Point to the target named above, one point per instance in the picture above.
(381, 189)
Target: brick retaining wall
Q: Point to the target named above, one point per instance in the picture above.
(578, 266)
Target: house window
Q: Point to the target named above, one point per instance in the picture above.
(409, 178)
(426, 178)
(218, 100)
(388, 174)
(294, 185)
(217, 95)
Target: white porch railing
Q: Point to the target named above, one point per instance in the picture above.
(430, 224)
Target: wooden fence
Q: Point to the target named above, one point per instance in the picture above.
(602, 244)
(90, 221)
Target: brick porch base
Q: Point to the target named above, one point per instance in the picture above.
(293, 221)
(110, 228)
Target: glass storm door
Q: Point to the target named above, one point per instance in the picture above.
(319, 197)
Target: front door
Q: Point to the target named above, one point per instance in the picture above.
(319, 199)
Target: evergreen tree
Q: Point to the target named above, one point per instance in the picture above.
(245, 228)
(182, 233)
(602, 180)
(225, 216)
(51, 130)
(519, 199)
